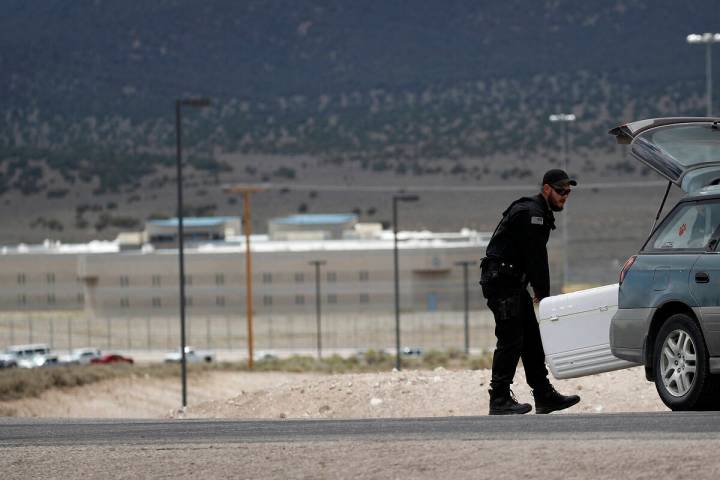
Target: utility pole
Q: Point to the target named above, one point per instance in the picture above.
(318, 301)
(197, 103)
(564, 119)
(465, 264)
(706, 39)
(395, 200)
(246, 190)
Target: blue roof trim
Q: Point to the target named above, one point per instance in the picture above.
(316, 219)
(194, 221)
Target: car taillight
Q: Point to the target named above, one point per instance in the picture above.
(626, 267)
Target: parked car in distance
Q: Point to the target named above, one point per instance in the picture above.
(111, 358)
(191, 356)
(81, 356)
(668, 316)
(7, 361)
(28, 351)
(412, 351)
(49, 360)
(264, 355)
(32, 355)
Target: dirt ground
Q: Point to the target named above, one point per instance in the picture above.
(277, 395)
(454, 459)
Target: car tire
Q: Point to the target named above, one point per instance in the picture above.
(680, 363)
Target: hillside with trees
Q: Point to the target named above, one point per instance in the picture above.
(405, 90)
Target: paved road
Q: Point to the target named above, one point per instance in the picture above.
(678, 426)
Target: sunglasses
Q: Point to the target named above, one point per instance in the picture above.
(562, 191)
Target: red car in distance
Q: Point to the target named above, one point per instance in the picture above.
(112, 358)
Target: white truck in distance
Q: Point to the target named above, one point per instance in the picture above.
(191, 356)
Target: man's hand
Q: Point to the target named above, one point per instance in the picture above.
(536, 300)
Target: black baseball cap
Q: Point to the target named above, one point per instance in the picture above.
(557, 178)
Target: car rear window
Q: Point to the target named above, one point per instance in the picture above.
(690, 226)
(687, 144)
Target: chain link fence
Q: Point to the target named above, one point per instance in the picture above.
(63, 331)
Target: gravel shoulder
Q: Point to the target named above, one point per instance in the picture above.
(423, 393)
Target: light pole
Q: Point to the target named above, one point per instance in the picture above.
(465, 264)
(318, 264)
(395, 200)
(197, 103)
(246, 190)
(564, 119)
(707, 39)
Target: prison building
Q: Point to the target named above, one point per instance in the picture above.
(111, 279)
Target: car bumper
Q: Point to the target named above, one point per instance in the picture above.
(628, 331)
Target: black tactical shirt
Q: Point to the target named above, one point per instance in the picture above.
(521, 239)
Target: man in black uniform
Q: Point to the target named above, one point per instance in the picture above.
(517, 256)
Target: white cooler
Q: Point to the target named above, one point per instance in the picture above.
(575, 331)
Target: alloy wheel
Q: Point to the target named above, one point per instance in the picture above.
(678, 363)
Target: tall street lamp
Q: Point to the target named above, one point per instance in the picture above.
(707, 39)
(196, 103)
(564, 119)
(465, 264)
(395, 200)
(318, 264)
(246, 190)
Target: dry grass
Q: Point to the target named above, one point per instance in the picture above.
(20, 383)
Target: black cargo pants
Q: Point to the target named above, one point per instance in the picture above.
(518, 336)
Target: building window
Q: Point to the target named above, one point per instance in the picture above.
(51, 299)
(156, 280)
(299, 300)
(267, 277)
(50, 278)
(267, 300)
(219, 279)
(331, 277)
(80, 298)
(332, 299)
(220, 301)
(188, 279)
(188, 302)
(364, 276)
(364, 298)
(299, 277)
(156, 303)
(124, 302)
(124, 281)
(22, 299)
(21, 279)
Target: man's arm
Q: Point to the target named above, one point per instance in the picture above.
(535, 251)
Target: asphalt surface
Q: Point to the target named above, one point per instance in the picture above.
(16, 432)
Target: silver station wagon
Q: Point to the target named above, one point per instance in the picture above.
(668, 316)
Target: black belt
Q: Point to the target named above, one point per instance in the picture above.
(504, 269)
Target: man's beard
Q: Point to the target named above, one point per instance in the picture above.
(555, 207)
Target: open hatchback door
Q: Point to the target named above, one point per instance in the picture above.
(684, 150)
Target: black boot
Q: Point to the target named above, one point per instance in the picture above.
(550, 400)
(502, 402)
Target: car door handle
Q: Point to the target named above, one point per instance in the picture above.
(702, 277)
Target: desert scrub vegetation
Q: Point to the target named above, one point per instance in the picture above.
(17, 383)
